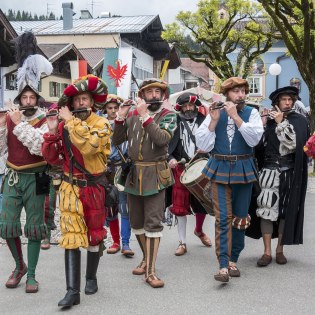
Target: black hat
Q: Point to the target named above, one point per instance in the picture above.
(284, 90)
(185, 98)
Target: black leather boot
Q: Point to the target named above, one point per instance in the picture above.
(73, 278)
(91, 269)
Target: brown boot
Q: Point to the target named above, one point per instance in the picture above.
(16, 277)
(141, 268)
(152, 250)
(181, 249)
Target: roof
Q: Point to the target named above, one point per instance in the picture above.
(6, 35)
(93, 55)
(50, 50)
(124, 24)
(55, 51)
(198, 69)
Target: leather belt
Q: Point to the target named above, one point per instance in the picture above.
(75, 181)
(231, 158)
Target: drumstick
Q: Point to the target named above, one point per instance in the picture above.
(182, 161)
(192, 158)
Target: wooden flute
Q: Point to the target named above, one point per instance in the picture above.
(2, 110)
(75, 111)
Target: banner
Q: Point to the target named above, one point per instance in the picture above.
(125, 57)
(110, 59)
(78, 68)
(117, 70)
(164, 68)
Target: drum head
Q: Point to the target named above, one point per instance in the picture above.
(193, 171)
(117, 180)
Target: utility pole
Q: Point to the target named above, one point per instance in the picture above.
(92, 4)
(48, 9)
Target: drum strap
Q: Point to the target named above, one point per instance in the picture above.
(191, 136)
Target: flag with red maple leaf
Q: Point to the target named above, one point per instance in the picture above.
(117, 74)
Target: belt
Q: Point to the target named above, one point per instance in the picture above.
(148, 163)
(75, 181)
(231, 158)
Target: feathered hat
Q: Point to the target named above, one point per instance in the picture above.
(31, 65)
(86, 84)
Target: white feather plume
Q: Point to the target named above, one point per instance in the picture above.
(33, 67)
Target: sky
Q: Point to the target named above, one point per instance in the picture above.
(166, 9)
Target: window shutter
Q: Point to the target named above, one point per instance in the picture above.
(51, 93)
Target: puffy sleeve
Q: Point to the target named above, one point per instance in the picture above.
(31, 137)
(90, 140)
(204, 137)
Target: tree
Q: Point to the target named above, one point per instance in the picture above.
(11, 16)
(220, 28)
(295, 20)
(18, 16)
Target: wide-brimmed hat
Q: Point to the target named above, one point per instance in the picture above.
(153, 82)
(25, 86)
(185, 98)
(233, 82)
(289, 90)
(86, 84)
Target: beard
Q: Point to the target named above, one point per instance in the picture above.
(189, 114)
(155, 104)
(83, 115)
(154, 107)
(29, 112)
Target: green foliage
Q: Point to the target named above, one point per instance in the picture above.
(295, 21)
(218, 28)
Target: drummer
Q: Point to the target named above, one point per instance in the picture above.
(229, 134)
(183, 148)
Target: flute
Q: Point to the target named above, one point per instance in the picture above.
(2, 111)
(221, 104)
(282, 111)
(75, 111)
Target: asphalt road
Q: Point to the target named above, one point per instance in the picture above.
(190, 287)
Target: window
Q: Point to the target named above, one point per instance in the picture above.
(255, 85)
(39, 88)
(63, 86)
(190, 85)
(11, 82)
(54, 89)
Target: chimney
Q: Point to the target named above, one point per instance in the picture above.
(67, 15)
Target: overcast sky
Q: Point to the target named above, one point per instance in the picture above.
(166, 9)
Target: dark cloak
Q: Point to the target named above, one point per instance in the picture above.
(294, 220)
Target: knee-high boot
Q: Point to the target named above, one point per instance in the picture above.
(152, 245)
(73, 278)
(140, 269)
(92, 262)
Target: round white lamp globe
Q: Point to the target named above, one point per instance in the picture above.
(275, 69)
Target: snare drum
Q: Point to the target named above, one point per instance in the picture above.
(198, 184)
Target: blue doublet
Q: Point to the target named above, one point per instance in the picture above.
(227, 172)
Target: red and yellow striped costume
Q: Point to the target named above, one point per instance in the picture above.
(82, 208)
